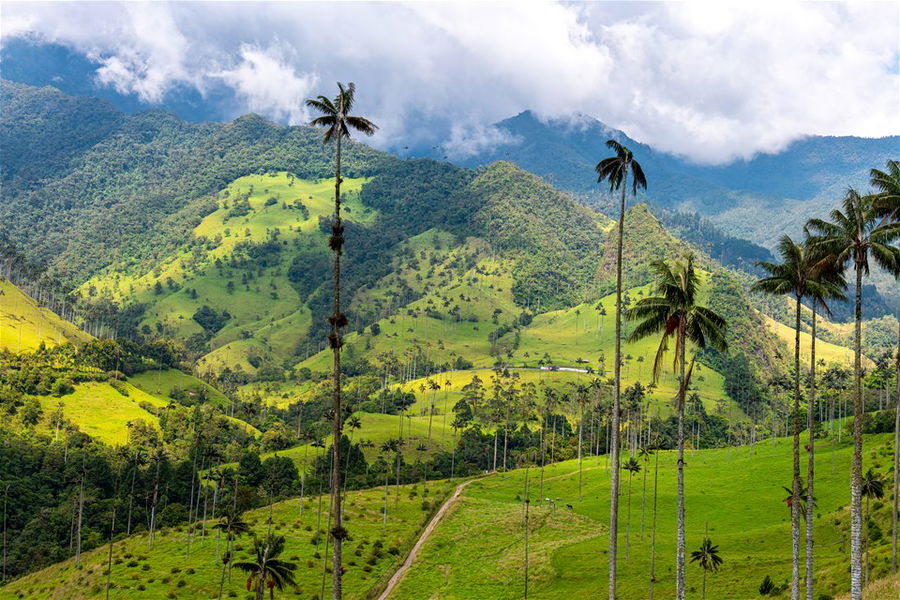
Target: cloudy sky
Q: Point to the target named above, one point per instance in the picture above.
(713, 82)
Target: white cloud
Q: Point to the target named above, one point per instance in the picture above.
(269, 85)
(713, 82)
(472, 139)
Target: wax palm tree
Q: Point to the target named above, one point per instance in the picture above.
(707, 556)
(872, 487)
(806, 272)
(829, 284)
(855, 234)
(232, 524)
(632, 466)
(674, 313)
(804, 500)
(434, 386)
(615, 170)
(337, 121)
(887, 182)
(265, 569)
(887, 203)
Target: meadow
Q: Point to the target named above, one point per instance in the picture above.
(25, 325)
(167, 570)
(478, 550)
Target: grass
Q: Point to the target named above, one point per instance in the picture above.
(478, 550)
(25, 325)
(826, 351)
(101, 411)
(161, 383)
(167, 571)
(268, 318)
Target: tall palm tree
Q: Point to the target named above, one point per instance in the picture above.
(265, 569)
(872, 487)
(855, 233)
(232, 524)
(887, 203)
(674, 313)
(806, 272)
(829, 284)
(337, 121)
(708, 558)
(615, 171)
(632, 466)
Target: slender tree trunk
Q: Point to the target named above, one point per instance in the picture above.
(679, 551)
(580, 467)
(617, 385)
(866, 569)
(653, 527)
(810, 461)
(856, 470)
(628, 519)
(795, 481)
(896, 462)
(337, 319)
(112, 532)
(644, 496)
(527, 504)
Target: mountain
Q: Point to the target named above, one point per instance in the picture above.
(719, 207)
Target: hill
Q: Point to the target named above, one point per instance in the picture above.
(477, 549)
(25, 325)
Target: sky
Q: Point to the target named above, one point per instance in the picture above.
(713, 82)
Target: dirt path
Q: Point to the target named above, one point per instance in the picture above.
(398, 575)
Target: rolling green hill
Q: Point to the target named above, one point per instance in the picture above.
(477, 550)
(25, 325)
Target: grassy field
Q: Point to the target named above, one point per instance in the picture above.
(827, 351)
(24, 325)
(166, 571)
(161, 383)
(101, 411)
(478, 552)
(268, 318)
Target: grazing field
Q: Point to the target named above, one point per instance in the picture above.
(168, 571)
(24, 324)
(161, 384)
(826, 351)
(478, 550)
(102, 411)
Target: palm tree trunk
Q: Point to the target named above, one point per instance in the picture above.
(644, 496)
(617, 384)
(679, 551)
(628, 520)
(856, 471)
(795, 481)
(704, 584)
(810, 461)
(866, 570)
(580, 463)
(112, 531)
(338, 531)
(653, 528)
(896, 461)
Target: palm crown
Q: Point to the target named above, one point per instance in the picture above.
(615, 168)
(265, 565)
(336, 118)
(806, 272)
(675, 309)
(855, 232)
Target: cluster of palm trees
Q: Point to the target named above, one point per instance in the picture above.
(674, 314)
(863, 230)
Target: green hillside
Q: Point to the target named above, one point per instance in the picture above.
(25, 325)
(479, 550)
(167, 570)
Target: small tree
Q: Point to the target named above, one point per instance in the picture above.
(708, 558)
